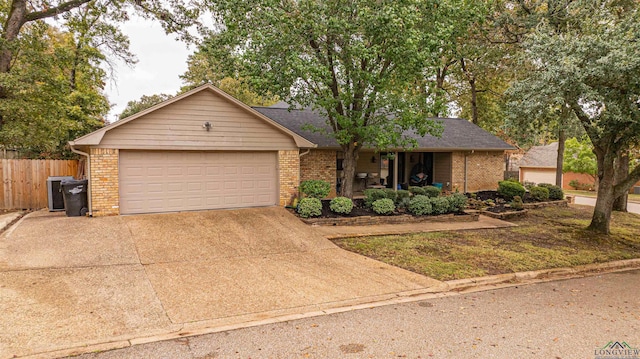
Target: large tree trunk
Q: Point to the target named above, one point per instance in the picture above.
(351, 154)
(622, 171)
(600, 222)
(560, 159)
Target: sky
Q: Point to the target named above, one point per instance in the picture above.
(161, 60)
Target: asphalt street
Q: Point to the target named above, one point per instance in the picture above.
(572, 318)
(589, 201)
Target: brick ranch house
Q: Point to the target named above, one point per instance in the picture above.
(204, 150)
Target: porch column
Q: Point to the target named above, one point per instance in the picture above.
(395, 171)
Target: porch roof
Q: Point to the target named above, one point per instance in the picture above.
(458, 134)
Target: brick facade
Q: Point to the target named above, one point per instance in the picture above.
(105, 192)
(484, 170)
(288, 175)
(319, 165)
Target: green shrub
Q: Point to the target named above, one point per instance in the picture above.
(440, 205)
(574, 183)
(383, 206)
(457, 202)
(401, 195)
(373, 194)
(517, 203)
(309, 207)
(391, 194)
(528, 184)
(315, 188)
(431, 191)
(403, 203)
(342, 205)
(417, 191)
(510, 189)
(539, 194)
(420, 205)
(555, 192)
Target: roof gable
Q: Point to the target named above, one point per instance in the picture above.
(178, 123)
(541, 156)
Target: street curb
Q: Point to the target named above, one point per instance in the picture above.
(448, 288)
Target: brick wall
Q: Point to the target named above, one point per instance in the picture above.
(484, 170)
(289, 175)
(105, 195)
(319, 165)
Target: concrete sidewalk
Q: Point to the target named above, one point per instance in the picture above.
(71, 285)
(334, 232)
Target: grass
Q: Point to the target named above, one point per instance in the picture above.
(546, 238)
(632, 197)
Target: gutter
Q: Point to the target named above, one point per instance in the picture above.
(88, 175)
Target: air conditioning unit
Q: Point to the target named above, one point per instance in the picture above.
(56, 199)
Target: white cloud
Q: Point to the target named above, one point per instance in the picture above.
(161, 60)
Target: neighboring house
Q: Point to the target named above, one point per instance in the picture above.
(538, 165)
(206, 150)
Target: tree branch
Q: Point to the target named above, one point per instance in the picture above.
(64, 7)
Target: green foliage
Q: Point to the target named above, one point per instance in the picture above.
(517, 203)
(417, 191)
(420, 205)
(575, 183)
(373, 194)
(402, 194)
(457, 202)
(431, 191)
(383, 206)
(440, 205)
(528, 185)
(142, 104)
(539, 194)
(555, 192)
(315, 188)
(579, 157)
(581, 186)
(309, 207)
(510, 189)
(342, 205)
(391, 194)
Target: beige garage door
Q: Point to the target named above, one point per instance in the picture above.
(170, 181)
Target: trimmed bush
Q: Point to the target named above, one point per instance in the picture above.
(440, 205)
(575, 184)
(417, 191)
(510, 189)
(401, 195)
(431, 191)
(342, 205)
(403, 203)
(420, 205)
(528, 184)
(383, 206)
(517, 203)
(391, 194)
(457, 202)
(309, 207)
(315, 188)
(539, 194)
(555, 192)
(373, 194)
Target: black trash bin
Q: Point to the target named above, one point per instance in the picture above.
(75, 197)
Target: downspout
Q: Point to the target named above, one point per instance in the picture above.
(305, 153)
(88, 175)
(465, 171)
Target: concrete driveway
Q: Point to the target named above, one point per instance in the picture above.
(72, 282)
(590, 201)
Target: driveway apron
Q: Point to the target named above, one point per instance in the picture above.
(70, 282)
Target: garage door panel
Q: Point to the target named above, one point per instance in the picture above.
(167, 181)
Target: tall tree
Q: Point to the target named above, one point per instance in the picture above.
(359, 62)
(203, 69)
(142, 104)
(593, 66)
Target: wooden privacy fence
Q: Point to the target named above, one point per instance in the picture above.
(24, 182)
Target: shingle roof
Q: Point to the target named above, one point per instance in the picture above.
(539, 156)
(458, 134)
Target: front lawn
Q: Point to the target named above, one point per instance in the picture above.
(551, 237)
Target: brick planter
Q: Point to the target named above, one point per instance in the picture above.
(401, 219)
(560, 203)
